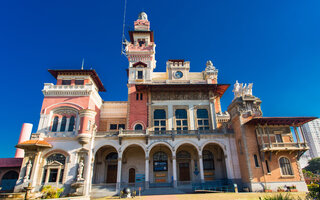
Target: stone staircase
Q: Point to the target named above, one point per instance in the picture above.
(10, 196)
(102, 190)
(161, 191)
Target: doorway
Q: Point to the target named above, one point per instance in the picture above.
(184, 172)
(112, 174)
(132, 175)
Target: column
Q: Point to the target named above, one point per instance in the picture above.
(67, 125)
(35, 169)
(269, 139)
(170, 117)
(174, 168)
(302, 133)
(191, 118)
(118, 187)
(213, 113)
(296, 134)
(146, 178)
(201, 168)
(59, 124)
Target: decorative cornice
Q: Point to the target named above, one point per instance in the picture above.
(50, 89)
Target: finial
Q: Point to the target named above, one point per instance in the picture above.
(143, 16)
(82, 64)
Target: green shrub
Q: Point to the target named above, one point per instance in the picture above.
(50, 192)
(314, 192)
(280, 196)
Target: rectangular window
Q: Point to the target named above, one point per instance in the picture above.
(203, 119)
(53, 175)
(267, 166)
(159, 120)
(279, 138)
(123, 126)
(79, 82)
(137, 96)
(140, 74)
(113, 127)
(181, 120)
(256, 160)
(66, 82)
(141, 96)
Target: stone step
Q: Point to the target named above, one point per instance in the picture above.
(162, 190)
(98, 191)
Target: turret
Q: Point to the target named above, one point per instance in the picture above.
(141, 51)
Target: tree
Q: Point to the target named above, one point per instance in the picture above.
(313, 165)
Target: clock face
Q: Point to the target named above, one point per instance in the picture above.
(178, 74)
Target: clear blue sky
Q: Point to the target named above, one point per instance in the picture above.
(274, 44)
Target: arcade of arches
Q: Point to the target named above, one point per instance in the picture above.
(160, 166)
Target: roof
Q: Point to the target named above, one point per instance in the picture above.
(131, 35)
(293, 121)
(90, 72)
(33, 143)
(218, 88)
(10, 162)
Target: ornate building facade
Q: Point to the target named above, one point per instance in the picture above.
(170, 132)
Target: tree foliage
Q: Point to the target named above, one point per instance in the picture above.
(313, 165)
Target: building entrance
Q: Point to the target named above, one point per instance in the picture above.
(112, 174)
(184, 172)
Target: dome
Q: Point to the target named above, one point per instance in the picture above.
(143, 16)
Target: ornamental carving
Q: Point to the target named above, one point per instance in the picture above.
(155, 96)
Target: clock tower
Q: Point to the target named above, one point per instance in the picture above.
(141, 51)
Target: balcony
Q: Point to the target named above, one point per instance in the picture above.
(165, 133)
(50, 89)
(288, 146)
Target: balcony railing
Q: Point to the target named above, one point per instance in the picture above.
(51, 89)
(284, 146)
(129, 133)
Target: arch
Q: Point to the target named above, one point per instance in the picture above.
(176, 147)
(57, 105)
(159, 143)
(138, 127)
(112, 156)
(222, 146)
(139, 63)
(124, 147)
(102, 145)
(10, 175)
(138, 122)
(66, 154)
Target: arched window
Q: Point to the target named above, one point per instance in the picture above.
(208, 160)
(203, 119)
(183, 155)
(285, 166)
(113, 156)
(63, 124)
(71, 124)
(159, 120)
(160, 161)
(138, 127)
(10, 175)
(54, 169)
(181, 119)
(55, 124)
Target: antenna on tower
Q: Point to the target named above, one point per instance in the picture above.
(82, 64)
(124, 41)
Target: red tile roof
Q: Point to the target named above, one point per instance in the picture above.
(35, 143)
(10, 162)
